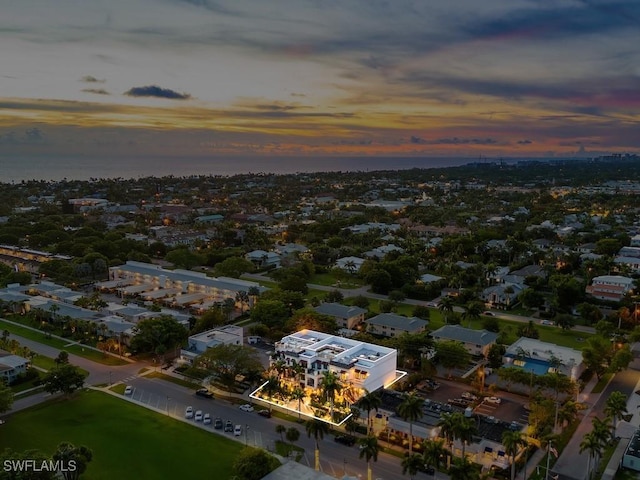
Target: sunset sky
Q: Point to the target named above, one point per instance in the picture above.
(319, 77)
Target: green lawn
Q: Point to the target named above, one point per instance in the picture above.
(79, 350)
(330, 280)
(128, 441)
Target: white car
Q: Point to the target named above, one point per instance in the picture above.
(496, 400)
(206, 419)
(188, 413)
(246, 407)
(198, 417)
(468, 396)
(237, 430)
(546, 322)
(128, 390)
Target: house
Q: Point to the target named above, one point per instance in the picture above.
(263, 259)
(503, 295)
(542, 357)
(633, 263)
(476, 342)
(350, 264)
(392, 325)
(428, 278)
(610, 287)
(11, 366)
(346, 316)
(199, 343)
(382, 251)
(363, 365)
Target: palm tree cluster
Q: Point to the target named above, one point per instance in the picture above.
(595, 442)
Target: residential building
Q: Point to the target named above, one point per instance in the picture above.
(542, 357)
(392, 325)
(363, 365)
(502, 296)
(11, 366)
(145, 277)
(476, 342)
(610, 287)
(199, 343)
(346, 316)
(263, 259)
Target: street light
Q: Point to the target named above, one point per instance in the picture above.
(246, 428)
(168, 398)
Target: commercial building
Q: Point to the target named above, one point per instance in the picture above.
(199, 343)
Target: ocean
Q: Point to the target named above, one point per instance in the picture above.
(18, 168)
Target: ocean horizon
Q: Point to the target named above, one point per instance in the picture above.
(42, 168)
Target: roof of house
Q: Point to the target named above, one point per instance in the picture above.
(398, 321)
(298, 471)
(465, 335)
(338, 310)
(544, 351)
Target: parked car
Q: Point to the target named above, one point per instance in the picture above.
(496, 400)
(203, 392)
(246, 408)
(128, 390)
(489, 314)
(198, 417)
(217, 423)
(468, 396)
(428, 469)
(265, 413)
(348, 440)
(206, 419)
(237, 430)
(188, 413)
(228, 427)
(546, 322)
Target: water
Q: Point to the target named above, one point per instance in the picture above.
(18, 168)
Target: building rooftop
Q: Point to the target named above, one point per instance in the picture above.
(398, 321)
(465, 335)
(338, 310)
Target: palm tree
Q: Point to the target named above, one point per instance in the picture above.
(411, 410)
(411, 464)
(472, 311)
(512, 441)
(298, 394)
(330, 386)
(369, 450)
(446, 308)
(370, 401)
(433, 452)
(447, 426)
(592, 445)
(316, 428)
(281, 429)
(615, 407)
(254, 293)
(465, 430)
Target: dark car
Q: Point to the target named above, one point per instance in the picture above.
(203, 392)
(217, 423)
(265, 413)
(428, 469)
(228, 427)
(348, 440)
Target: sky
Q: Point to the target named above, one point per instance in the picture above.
(177, 78)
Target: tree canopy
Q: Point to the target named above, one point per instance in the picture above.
(228, 361)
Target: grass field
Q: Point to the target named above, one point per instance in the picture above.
(58, 343)
(128, 442)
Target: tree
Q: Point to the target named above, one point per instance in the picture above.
(512, 442)
(316, 428)
(411, 464)
(422, 312)
(369, 450)
(233, 267)
(447, 425)
(330, 385)
(80, 456)
(281, 429)
(465, 429)
(463, 469)
(446, 308)
(63, 378)
(334, 296)
(298, 394)
(411, 410)
(158, 335)
(6, 397)
(307, 318)
(293, 434)
(433, 452)
(452, 354)
(591, 444)
(63, 357)
(615, 408)
(30, 455)
(253, 464)
(272, 313)
(227, 361)
(472, 311)
(369, 401)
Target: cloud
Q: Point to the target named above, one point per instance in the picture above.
(31, 136)
(524, 142)
(157, 92)
(453, 141)
(97, 91)
(91, 79)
